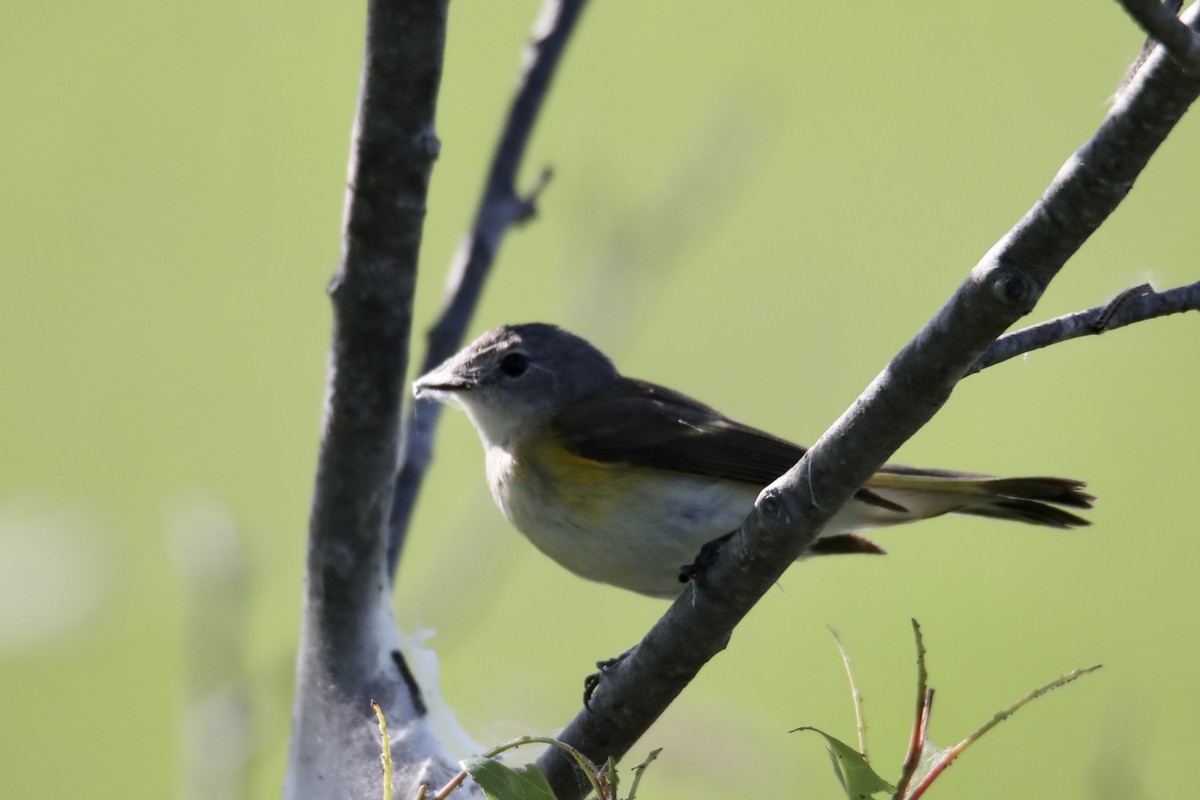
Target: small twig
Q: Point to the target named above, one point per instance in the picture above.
(916, 743)
(527, 208)
(385, 753)
(948, 756)
(639, 771)
(1173, 6)
(859, 719)
(1163, 26)
(450, 786)
(1136, 304)
(500, 208)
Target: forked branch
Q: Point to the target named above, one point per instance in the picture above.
(1137, 304)
(790, 513)
(500, 207)
(1161, 24)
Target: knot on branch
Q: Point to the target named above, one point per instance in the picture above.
(1013, 288)
(429, 143)
(773, 508)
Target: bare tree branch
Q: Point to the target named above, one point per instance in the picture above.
(789, 513)
(500, 207)
(1133, 305)
(348, 634)
(1160, 24)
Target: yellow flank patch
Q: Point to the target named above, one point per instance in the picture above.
(562, 477)
(547, 455)
(632, 526)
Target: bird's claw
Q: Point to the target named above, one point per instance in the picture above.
(704, 559)
(592, 682)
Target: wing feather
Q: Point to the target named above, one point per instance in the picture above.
(641, 423)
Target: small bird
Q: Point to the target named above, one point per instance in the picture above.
(624, 482)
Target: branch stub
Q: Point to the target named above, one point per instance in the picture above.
(1015, 289)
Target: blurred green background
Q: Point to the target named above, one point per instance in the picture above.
(756, 204)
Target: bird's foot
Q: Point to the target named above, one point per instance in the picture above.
(592, 682)
(704, 559)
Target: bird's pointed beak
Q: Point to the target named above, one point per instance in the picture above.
(444, 382)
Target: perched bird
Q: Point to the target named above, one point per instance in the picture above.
(623, 481)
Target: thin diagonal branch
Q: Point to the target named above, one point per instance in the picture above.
(500, 207)
(789, 514)
(1160, 24)
(347, 632)
(1133, 305)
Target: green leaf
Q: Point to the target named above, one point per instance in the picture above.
(501, 782)
(858, 780)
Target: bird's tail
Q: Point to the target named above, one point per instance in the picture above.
(1036, 500)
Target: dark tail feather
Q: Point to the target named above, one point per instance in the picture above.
(1033, 500)
(1063, 491)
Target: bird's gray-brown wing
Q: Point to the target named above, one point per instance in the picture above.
(641, 423)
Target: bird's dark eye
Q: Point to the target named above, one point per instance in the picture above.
(514, 364)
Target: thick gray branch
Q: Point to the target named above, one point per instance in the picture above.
(347, 635)
(1134, 305)
(789, 514)
(1161, 25)
(500, 207)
